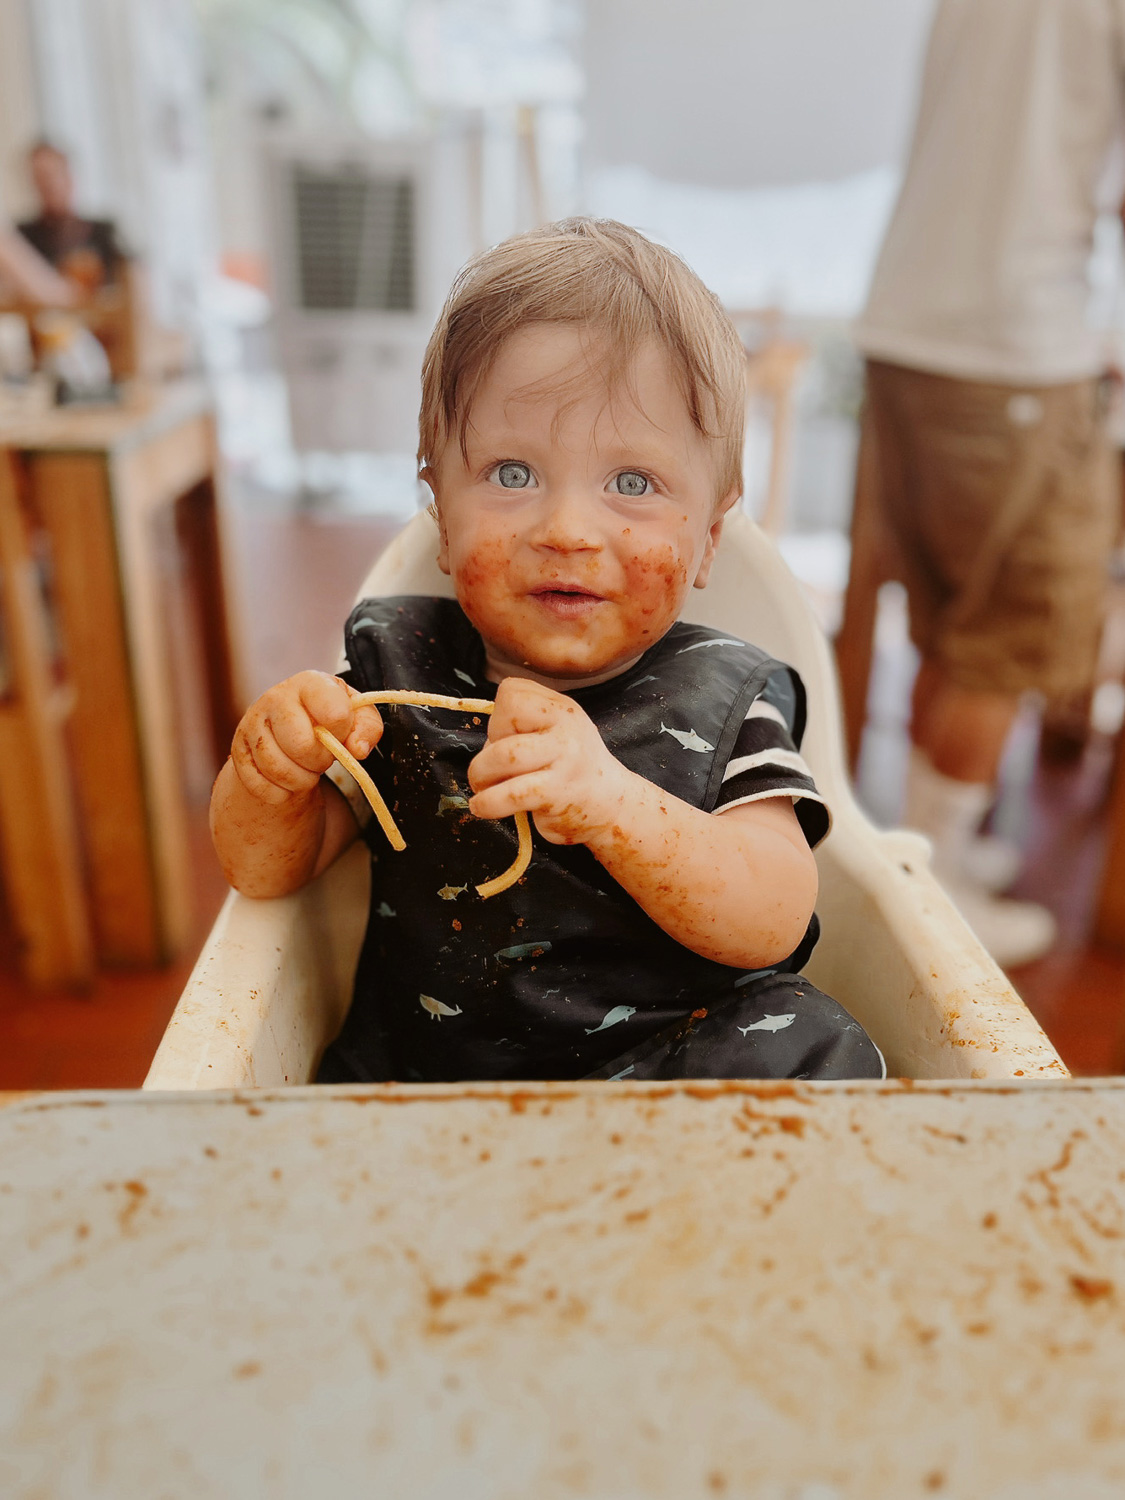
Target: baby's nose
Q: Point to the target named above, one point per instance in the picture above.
(568, 523)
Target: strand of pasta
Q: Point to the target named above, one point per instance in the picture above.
(383, 812)
(500, 883)
(425, 700)
(366, 786)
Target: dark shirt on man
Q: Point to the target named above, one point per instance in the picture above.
(64, 239)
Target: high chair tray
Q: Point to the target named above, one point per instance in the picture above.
(833, 1292)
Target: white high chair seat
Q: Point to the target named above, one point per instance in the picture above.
(273, 982)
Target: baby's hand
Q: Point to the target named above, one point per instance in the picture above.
(545, 757)
(275, 753)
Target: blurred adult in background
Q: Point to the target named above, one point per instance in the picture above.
(83, 250)
(985, 404)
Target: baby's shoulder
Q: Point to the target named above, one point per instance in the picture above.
(713, 665)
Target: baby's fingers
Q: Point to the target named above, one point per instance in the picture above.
(326, 700)
(366, 731)
(293, 709)
(524, 707)
(264, 769)
(515, 756)
(516, 794)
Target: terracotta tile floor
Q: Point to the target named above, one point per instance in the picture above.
(1077, 992)
(297, 574)
(103, 1037)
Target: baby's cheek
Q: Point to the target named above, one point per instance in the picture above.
(657, 583)
(479, 574)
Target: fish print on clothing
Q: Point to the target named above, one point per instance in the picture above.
(438, 1008)
(769, 1023)
(703, 645)
(452, 804)
(687, 738)
(451, 892)
(525, 950)
(611, 1018)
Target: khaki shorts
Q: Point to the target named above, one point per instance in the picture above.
(1003, 503)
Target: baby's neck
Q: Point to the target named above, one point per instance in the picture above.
(496, 668)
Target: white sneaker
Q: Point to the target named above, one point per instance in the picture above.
(1014, 932)
(991, 863)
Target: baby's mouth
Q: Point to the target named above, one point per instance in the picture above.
(568, 601)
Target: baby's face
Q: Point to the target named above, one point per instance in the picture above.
(581, 518)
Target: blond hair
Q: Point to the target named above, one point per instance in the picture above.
(615, 283)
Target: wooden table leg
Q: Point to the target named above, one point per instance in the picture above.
(72, 494)
(146, 484)
(867, 572)
(40, 846)
(197, 524)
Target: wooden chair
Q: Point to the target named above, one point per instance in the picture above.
(772, 375)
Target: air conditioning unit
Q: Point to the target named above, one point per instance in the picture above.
(367, 237)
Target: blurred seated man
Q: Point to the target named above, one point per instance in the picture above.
(85, 251)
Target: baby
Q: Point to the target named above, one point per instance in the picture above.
(581, 433)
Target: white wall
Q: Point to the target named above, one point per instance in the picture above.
(743, 93)
(19, 106)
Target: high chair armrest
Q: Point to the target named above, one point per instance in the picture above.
(271, 987)
(899, 955)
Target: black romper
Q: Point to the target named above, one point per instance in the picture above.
(564, 975)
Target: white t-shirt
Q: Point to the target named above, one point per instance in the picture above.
(984, 272)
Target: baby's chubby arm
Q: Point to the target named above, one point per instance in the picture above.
(738, 888)
(276, 824)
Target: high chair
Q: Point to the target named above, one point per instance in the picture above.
(273, 982)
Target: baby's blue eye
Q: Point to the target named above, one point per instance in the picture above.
(631, 484)
(513, 476)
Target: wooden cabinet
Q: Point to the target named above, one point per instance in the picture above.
(93, 841)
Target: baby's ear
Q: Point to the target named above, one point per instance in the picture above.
(429, 479)
(730, 499)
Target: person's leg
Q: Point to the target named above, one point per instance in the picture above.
(975, 501)
(962, 731)
(958, 739)
(958, 736)
(1003, 510)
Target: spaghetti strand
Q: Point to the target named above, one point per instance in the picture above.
(383, 813)
(366, 786)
